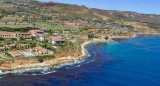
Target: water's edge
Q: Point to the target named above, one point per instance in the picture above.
(41, 66)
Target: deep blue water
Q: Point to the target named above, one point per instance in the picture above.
(132, 62)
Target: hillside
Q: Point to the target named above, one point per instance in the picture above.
(33, 11)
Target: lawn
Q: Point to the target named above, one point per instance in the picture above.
(15, 26)
(12, 17)
(54, 27)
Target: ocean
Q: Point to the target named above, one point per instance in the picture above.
(130, 62)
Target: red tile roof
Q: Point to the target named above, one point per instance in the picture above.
(6, 34)
(23, 44)
(2, 47)
(57, 39)
(39, 49)
(35, 31)
(92, 29)
(40, 34)
(24, 33)
(15, 52)
(11, 45)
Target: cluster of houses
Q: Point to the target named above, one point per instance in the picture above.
(65, 32)
(39, 35)
(10, 46)
(73, 25)
(8, 35)
(37, 51)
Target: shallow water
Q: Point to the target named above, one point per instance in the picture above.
(132, 62)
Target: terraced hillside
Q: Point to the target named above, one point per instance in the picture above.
(35, 11)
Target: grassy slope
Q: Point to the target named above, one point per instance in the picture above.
(15, 26)
(53, 27)
(74, 11)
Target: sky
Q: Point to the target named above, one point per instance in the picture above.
(140, 6)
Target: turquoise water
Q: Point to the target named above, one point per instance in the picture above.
(28, 54)
(132, 62)
(138, 62)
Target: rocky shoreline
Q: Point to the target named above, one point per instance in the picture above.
(54, 62)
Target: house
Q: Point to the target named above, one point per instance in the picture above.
(7, 35)
(41, 37)
(56, 32)
(10, 46)
(74, 31)
(66, 31)
(2, 48)
(93, 30)
(23, 35)
(38, 34)
(41, 51)
(23, 45)
(57, 40)
(74, 25)
(16, 53)
(34, 32)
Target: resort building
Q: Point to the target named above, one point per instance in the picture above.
(74, 25)
(41, 37)
(10, 46)
(2, 48)
(16, 53)
(38, 34)
(74, 31)
(23, 35)
(6, 35)
(23, 45)
(57, 40)
(41, 51)
(34, 32)
(66, 31)
(56, 32)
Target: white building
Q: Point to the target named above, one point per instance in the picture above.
(16, 53)
(57, 41)
(41, 51)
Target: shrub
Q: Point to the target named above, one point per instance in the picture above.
(40, 60)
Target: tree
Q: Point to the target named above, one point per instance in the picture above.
(33, 44)
(2, 39)
(21, 38)
(33, 38)
(40, 60)
(13, 39)
(45, 45)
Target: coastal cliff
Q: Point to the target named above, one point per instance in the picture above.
(29, 64)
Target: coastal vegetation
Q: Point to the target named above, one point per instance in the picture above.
(51, 16)
(46, 57)
(33, 32)
(22, 29)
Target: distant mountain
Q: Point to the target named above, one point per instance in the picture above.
(130, 15)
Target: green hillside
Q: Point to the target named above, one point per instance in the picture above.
(32, 11)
